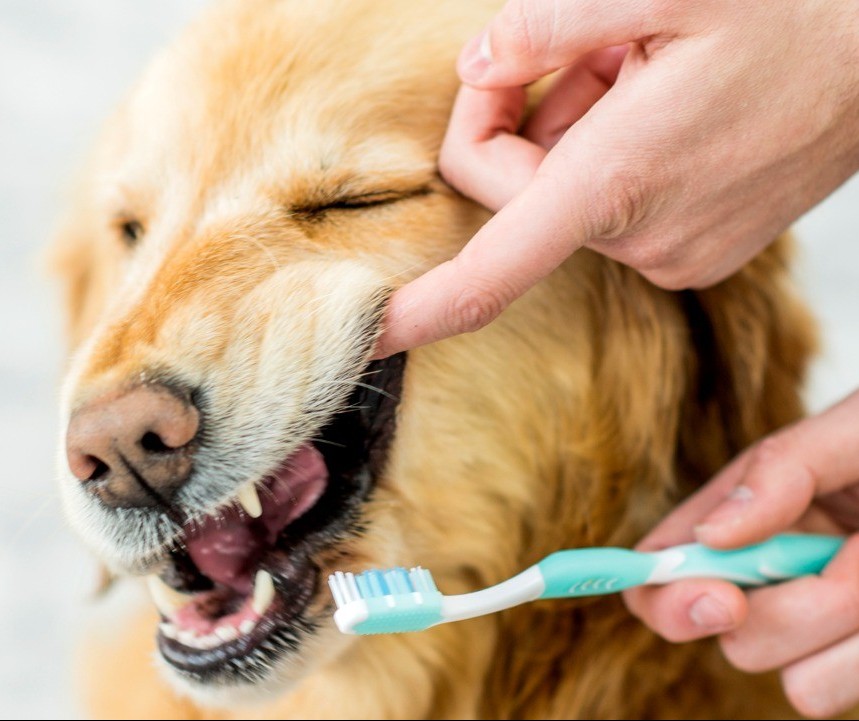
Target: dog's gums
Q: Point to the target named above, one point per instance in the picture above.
(233, 593)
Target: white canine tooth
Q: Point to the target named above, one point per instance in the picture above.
(167, 600)
(246, 627)
(249, 499)
(263, 592)
(168, 630)
(226, 633)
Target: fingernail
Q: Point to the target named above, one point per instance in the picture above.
(741, 493)
(711, 614)
(732, 509)
(476, 58)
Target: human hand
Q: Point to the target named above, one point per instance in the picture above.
(679, 139)
(804, 477)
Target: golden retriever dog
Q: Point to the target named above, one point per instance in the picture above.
(250, 207)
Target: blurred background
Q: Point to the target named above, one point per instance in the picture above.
(63, 65)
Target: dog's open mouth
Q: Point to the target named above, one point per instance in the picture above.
(234, 593)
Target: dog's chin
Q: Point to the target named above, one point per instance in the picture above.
(283, 676)
(240, 591)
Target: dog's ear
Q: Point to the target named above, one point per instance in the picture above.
(752, 341)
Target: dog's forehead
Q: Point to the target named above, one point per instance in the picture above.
(296, 90)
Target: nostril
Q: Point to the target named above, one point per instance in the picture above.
(153, 443)
(87, 467)
(100, 469)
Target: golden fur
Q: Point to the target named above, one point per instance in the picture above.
(579, 418)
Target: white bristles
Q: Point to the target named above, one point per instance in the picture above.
(347, 587)
(334, 583)
(344, 588)
(351, 586)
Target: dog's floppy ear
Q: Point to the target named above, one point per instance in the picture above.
(752, 341)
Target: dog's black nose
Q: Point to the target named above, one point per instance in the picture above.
(134, 448)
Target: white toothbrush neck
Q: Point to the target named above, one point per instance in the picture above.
(526, 586)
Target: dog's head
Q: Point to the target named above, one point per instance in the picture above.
(263, 189)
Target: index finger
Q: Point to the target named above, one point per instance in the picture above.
(528, 39)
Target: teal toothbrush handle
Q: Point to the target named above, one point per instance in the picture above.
(597, 571)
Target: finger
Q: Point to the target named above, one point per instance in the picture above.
(688, 610)
(527, 40)
(823, 685)
(572, 94)
(518, 247)
(816, 456)
(678, 527)
(482, 155)
(577, 193)
(793, 620)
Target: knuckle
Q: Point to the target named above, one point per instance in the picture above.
(849, 600)
(668, 278)
(773, 451)
(515, 32)
(474, 307)
(624, 202)
(674, 634)
(449, 166)
(803, 693)
(635, 604)
(769, 450)
(740, 655)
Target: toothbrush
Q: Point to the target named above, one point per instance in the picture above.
(398, 601)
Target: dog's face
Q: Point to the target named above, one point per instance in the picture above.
(251, 206)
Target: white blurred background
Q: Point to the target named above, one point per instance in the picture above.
(63, 65)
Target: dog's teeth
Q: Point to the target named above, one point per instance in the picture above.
(168, 630)
(167, 600)
(247, 626)
(209, 642)
(249, 499)
(263, 592)
(226, 633)
(189, 638)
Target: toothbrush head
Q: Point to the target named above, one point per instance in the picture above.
(392, 601)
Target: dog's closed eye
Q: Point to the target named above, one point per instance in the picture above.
(358, 201)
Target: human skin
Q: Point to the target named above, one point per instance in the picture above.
(679, 138)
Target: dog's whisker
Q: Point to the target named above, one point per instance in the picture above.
(326, 442)
(259, 244)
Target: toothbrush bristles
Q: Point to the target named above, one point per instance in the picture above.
(347, 587)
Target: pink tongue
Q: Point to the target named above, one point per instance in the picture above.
(227, 548)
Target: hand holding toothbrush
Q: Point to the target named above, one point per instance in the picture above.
(804, 477)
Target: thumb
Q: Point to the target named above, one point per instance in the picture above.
(783, 474)
(585, 187)
(529, 39)
(518, 247)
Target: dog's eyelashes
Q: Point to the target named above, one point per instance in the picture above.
(358, 202)
(131, 232)
(364, 201)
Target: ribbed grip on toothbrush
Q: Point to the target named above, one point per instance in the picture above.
(777, 559)
(593, 571)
